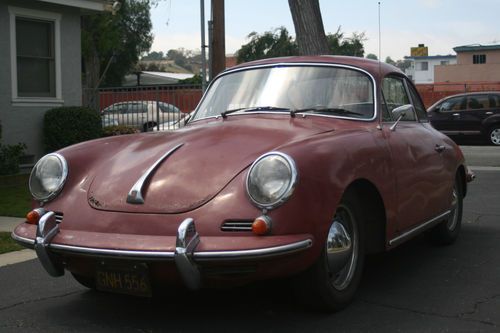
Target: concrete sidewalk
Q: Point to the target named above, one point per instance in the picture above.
(8, 224)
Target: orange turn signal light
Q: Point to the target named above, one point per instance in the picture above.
(261, 225)
(34, 216)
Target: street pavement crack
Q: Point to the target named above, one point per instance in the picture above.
(475, 307)
(38, 300)
(434, 314)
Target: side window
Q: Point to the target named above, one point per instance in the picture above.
(453, 104)
(477, 102)
(395, 95)
(417, 103)
(494, 101)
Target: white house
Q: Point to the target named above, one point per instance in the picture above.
(421, 70)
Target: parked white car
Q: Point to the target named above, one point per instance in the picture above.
(144, 115)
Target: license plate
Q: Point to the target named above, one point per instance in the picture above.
(131, 279)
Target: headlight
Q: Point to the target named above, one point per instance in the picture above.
(48, 176)
(271, 180)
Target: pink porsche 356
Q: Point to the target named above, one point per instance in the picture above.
(288, 167)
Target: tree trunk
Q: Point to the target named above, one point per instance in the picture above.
(309, 29)
(92, 66)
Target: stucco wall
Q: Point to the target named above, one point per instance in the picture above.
(466, 58)
(468, 73)
(24, 123)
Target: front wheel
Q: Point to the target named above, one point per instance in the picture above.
(330, 284)
(446, 232)
(494, 135)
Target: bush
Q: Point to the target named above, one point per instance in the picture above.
(119, 130)
(66, 126)
(9, 157)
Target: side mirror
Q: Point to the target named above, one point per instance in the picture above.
(403, 111)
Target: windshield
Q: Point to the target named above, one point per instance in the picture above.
(324, 90)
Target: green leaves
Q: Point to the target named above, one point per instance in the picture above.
(278, 43)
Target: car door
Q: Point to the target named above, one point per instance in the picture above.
(478, 108)
(417, 164)
(447, 116)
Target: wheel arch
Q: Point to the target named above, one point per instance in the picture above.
(374, 214)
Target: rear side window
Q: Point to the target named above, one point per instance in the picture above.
(494, 101)
(477, 102)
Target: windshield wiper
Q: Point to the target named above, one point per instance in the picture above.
(321, 109)
(253, 108)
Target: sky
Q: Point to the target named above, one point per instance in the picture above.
(439, 24)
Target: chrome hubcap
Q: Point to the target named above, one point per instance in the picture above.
(495, 136)
(452, 221)
(342, 248)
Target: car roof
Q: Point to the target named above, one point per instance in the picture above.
(376, 68)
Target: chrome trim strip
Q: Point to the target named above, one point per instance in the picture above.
(23, 241)
(410, 233)
(295, 64)
(255, 253)
(216, 255)
(110, 252)
(135, 194)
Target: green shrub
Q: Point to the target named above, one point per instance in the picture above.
(9, 157)
(66, 126)
(119, 130)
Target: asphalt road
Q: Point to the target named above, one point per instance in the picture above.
(416, 287)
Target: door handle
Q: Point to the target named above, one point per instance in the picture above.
(439, 148)
(489, 113)
(456, 114)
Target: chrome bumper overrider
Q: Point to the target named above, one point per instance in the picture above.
(185, 257)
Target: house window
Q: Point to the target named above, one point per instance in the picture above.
(422, 66)
(479, 59)
(35, 56)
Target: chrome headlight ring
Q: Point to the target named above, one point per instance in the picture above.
(48, 177)
(271, 180)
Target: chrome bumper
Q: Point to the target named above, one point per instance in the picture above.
(185, 256)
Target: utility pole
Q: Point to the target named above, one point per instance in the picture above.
(203, 46)
(218, 41)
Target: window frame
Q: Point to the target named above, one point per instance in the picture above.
(478, 59)
(55, 18)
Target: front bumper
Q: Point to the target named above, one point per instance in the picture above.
(189, 250)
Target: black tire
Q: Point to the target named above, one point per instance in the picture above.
(148, 126)
(446, 232)
(494, 135)
(87, 282)
(323, 290)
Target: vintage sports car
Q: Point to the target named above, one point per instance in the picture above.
(288, 167)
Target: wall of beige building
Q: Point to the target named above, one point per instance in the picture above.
(467, 73)
(466, 58)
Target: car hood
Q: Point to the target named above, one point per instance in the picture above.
(209, 156)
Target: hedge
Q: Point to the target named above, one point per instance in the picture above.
(66, 126)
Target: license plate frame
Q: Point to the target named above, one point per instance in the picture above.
(130, 279)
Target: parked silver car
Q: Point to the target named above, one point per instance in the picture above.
(144, 115)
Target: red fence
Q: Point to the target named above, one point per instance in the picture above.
(185, 97)
(431, 93)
